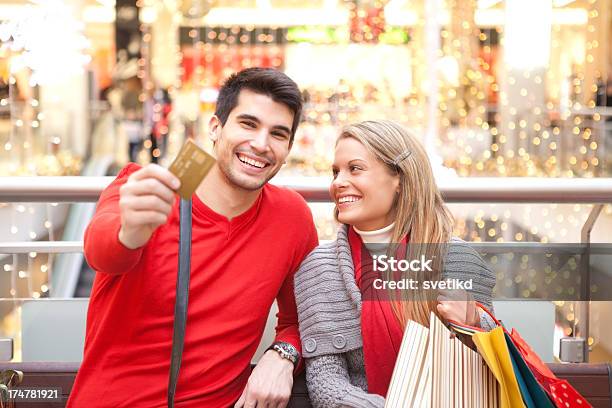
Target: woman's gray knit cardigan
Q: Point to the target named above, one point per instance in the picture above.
(329, 311)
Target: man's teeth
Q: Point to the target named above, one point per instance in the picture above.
(348, 199)
(252, 162)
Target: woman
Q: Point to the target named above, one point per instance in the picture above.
(385, 192)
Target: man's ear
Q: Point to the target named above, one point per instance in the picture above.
(214, 128)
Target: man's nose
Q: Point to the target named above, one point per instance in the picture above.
(260, 141)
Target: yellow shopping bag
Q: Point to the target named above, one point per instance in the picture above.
(493, 348)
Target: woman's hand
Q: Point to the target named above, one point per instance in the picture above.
(458, 306)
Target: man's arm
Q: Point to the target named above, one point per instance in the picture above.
(129, 210)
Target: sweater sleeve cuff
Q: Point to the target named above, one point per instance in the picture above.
(359, 399)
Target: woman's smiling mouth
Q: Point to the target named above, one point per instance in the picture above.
(347, 200)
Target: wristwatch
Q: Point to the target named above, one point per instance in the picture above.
(286, 350)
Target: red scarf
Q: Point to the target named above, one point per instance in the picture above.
(380, 330)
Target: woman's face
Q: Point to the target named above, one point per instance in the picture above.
(363, 187)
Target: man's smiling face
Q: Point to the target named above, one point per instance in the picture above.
(254, 142)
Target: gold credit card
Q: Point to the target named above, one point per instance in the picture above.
(191, 165)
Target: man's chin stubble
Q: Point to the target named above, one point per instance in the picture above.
(246, 185)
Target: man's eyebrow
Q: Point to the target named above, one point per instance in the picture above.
(249, 117)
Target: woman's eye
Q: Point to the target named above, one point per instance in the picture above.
(354, 168)
(335, 174)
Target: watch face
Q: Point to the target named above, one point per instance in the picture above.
(287, 351)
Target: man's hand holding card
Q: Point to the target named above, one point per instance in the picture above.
(147, 198)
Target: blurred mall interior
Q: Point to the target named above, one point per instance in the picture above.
(496, 89)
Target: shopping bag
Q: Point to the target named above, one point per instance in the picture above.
(492, 347)
(434, 369)
(562, 394)
(532, 392)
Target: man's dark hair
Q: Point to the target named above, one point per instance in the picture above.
(266, 81)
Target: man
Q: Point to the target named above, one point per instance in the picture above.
(248, 239)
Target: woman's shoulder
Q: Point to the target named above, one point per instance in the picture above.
(321, 259)
(323, 254)
(322, 251)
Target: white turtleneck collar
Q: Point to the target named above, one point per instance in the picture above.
(380, 236)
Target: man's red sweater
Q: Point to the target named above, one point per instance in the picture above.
(238, 268)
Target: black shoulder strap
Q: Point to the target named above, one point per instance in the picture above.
(182, 296)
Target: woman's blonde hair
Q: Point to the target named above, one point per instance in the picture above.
(419, 210)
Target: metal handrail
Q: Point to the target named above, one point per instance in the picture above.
(46, 247)
(315, 189)
(52, 189)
